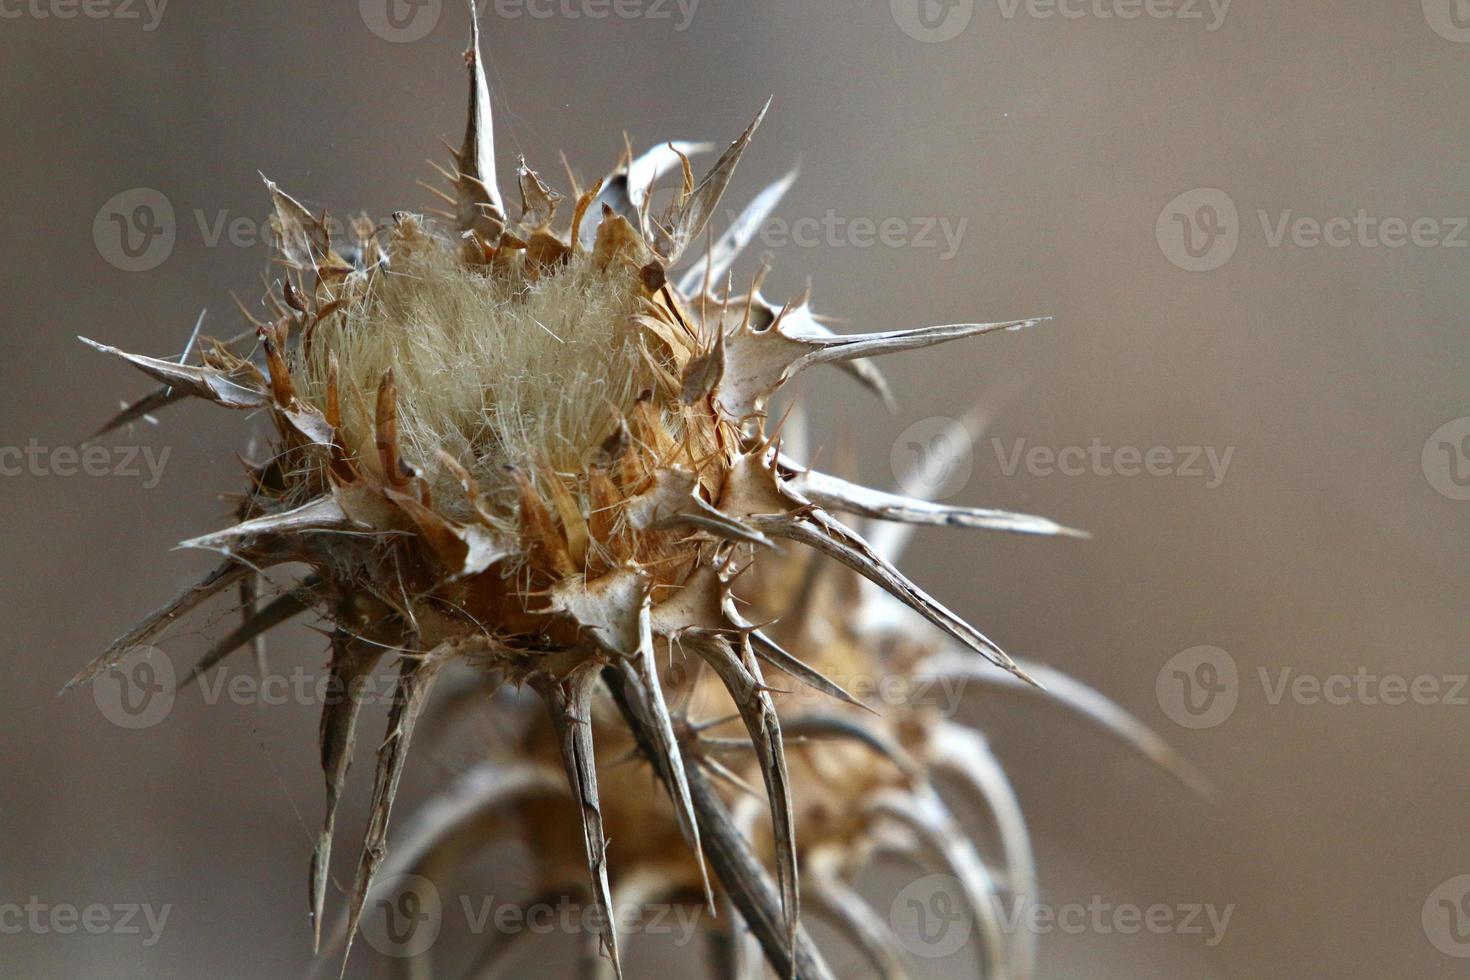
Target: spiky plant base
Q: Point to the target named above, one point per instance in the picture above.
(521, 445)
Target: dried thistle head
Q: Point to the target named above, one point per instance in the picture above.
(523, 442)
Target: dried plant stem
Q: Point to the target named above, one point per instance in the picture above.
(734, 864)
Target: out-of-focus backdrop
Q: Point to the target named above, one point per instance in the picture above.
(1248, 220)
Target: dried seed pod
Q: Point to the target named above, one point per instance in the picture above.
(533, 452)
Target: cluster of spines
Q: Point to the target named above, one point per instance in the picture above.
(714, 496)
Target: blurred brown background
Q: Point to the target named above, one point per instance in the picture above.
(1058, 141)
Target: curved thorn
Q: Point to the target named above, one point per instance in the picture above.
(186, 379)
(741, 677)
(276, 612)
(744, 881)
(818, 725)
(966, 755)
(473, 795)
(742, 231)
(147, 405)
(1082, 700)
(927, 817)
(415, 678)
(353, 660)
(772, 653)
(842, 905)
(321, 514)
(569, 701)
(833, 493)
(227, 574)
(700, 207)
(644, 673)
(834, 539)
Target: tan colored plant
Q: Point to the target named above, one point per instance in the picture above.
(521, 444)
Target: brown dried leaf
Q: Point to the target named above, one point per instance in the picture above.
(201, 382)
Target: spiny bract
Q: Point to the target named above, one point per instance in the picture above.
(523, 447)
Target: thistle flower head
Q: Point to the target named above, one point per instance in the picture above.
(533, 439)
